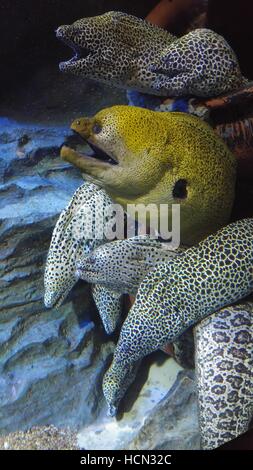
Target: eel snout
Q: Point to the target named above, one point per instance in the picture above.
(50, 299)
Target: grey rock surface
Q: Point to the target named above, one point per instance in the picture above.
(156, 376)
(40, 438)
(173, 422)
(51, 361)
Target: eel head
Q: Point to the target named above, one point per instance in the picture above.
(114, 48)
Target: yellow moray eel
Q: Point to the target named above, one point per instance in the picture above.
(142, 157)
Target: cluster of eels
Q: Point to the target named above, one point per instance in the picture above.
(142, 156)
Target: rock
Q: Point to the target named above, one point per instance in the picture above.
(40, 438)
(157, 419)
(173, 423)
(51, 361)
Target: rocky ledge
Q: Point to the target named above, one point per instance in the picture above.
(51, 361)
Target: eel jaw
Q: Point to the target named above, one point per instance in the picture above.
(111, 411)
(88, 276)
(80, 53)
(55, 302)
(88, 163)
(100, 155)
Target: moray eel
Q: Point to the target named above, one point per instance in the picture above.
(128, 52)
(224, 371)
(122, 264)
(178, 294)
(223, 340)
(142, 157)
(70, 240)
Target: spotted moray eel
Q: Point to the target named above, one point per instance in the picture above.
(128, 52)
(223, 340)
(179, 293)
(70, 240)
(67, 247)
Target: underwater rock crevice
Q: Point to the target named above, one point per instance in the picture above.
(51, 360)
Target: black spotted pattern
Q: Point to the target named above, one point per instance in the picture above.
(69, 243)
(180, 293)
(128, 52)
(224, 378)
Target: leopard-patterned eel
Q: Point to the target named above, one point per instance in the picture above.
(180, 293)
(70, 240)
(125, 51)
(146, 157)
(223, 340)
(224, 371)
(122, 264)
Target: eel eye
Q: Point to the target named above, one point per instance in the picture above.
(97, 128)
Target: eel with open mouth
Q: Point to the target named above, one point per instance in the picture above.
(79, 52)
(96, 153)
(128, 52)
(146, 157)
